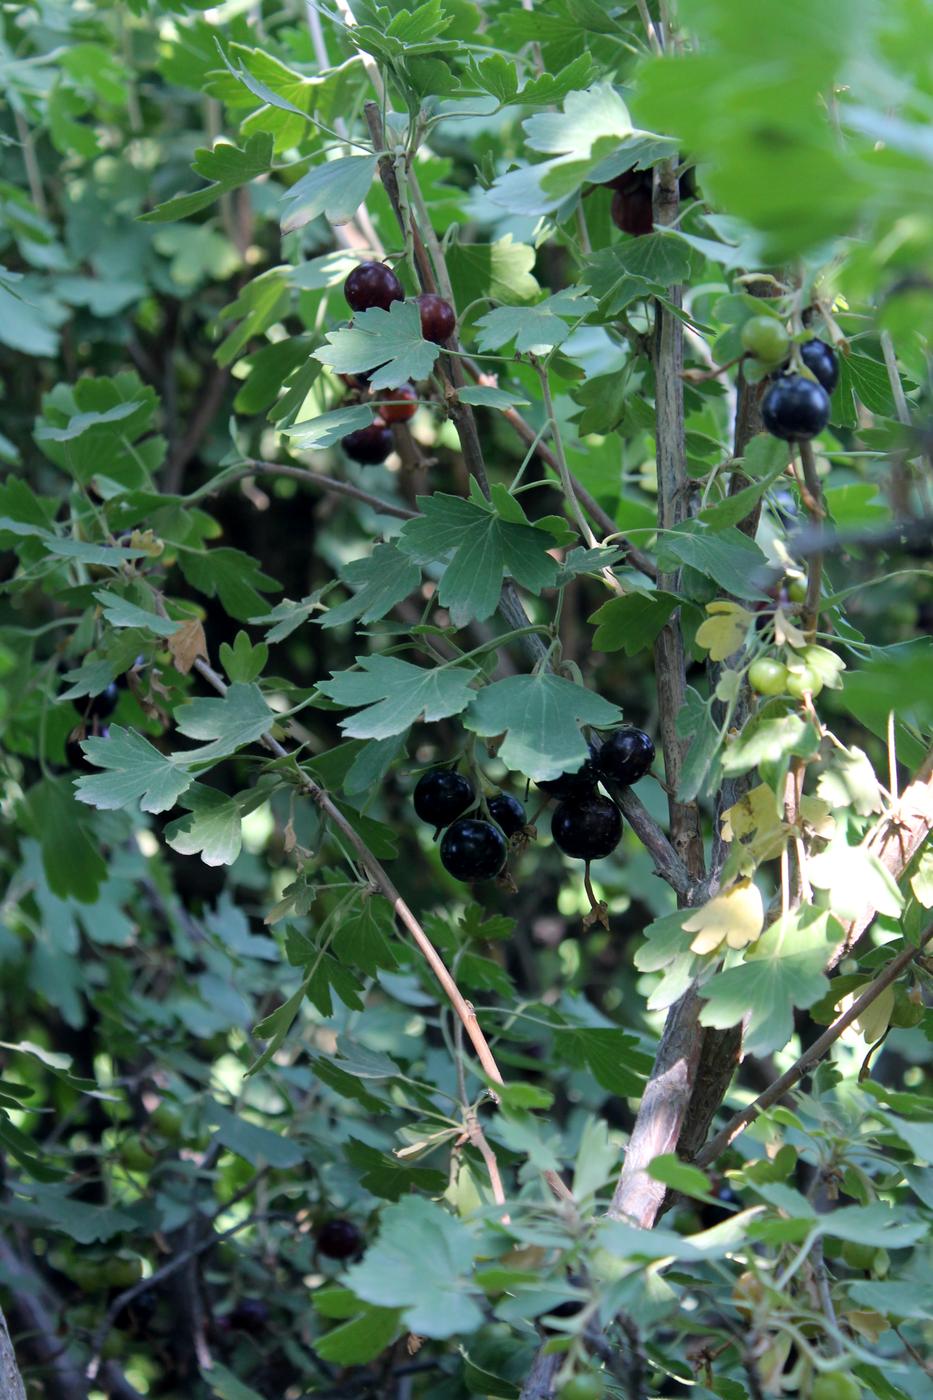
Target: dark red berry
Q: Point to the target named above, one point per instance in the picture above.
(370, 446)
(372, 284)
(507, 812)
(572, 786)
(250, 1315)
(103, 705)
(626, 756)
(473, 850)
(589, 829)
(821, 360)
(339, 1239)
(438, 321)
(442, 795)
(795, 408)
(402, 404)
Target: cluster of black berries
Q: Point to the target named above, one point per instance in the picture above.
(472, 848)
(796, 408)
(375, 284)
(585, 824)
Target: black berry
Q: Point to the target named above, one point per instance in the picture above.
(437, 318)
(339, 1239)
(589, 829)
(507, 812)
(473, 850)
(820, 359)
(250, 1315)
(795, 408)
(572, 786)
(372, 284)
(631, 209)
(626, 756)
(402, 405)
(370, 446)
(442, 795)
(103, 705)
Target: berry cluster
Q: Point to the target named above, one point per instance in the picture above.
(795, 406)
(586, 824)
(375, 284)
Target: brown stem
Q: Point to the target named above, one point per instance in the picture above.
(320, 482)
(813, 1055)
(814, 501)
(390, 183)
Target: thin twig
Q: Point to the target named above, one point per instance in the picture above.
(812, 1056)
(813, 499)
(322, 483)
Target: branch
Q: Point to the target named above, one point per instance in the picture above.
(809, 1058)
(11, 1382)
(667, 862)
(206, 412)
(316, 479)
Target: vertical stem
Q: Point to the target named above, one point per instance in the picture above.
(33, 174)
(811, 607)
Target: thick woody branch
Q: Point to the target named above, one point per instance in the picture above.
(11, 1382)
(811, 1057)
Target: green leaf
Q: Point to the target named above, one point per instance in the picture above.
(243, 661)
(855, 879)
(612, 1056)
(135, 772)
(483, 547)
(395, 694)
(225, 1386)
(230, 721)
(362, 1339)
(120, 612)
(655, 259)
(232, 576)
(550, 88)
(324, 431)
(391, 340)
(422, 1261)
(379, 582)
(782, 970)
(248, 1140)
(695, 722)
(227, 166)
(213, 830)
(680, 1176)
(335, 189)
(632, 622)
(769, 737)
(71, 859)
(501, 271)
(534, 329)
(485, 396)
(540, 716)
(727, 556)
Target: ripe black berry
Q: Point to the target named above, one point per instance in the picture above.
(442, 795)
(473, 850)
(589, 829)
(507, 811)
(626, 756)
(573, 786)
(372, 284)
(103, 705)
(339, 1239)
(250, 1315)
(795, 408)
(821, 360)
(437, 318)
(631, 209)
(370, 446)
(402, 406)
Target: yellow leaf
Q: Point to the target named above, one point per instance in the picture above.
(818, 816)
(755, 821)
(876, 1017)
(867, 1323)
(725, 629)
(736, 915)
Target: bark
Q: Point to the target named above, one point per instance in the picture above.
(11, 1382)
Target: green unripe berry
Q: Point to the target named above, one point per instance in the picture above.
(766, 339)
(797, 590)
(802, 681)
(836, 1385)
(165, 1121)
(767, 676)
(135, 1155)
(857, 1255)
